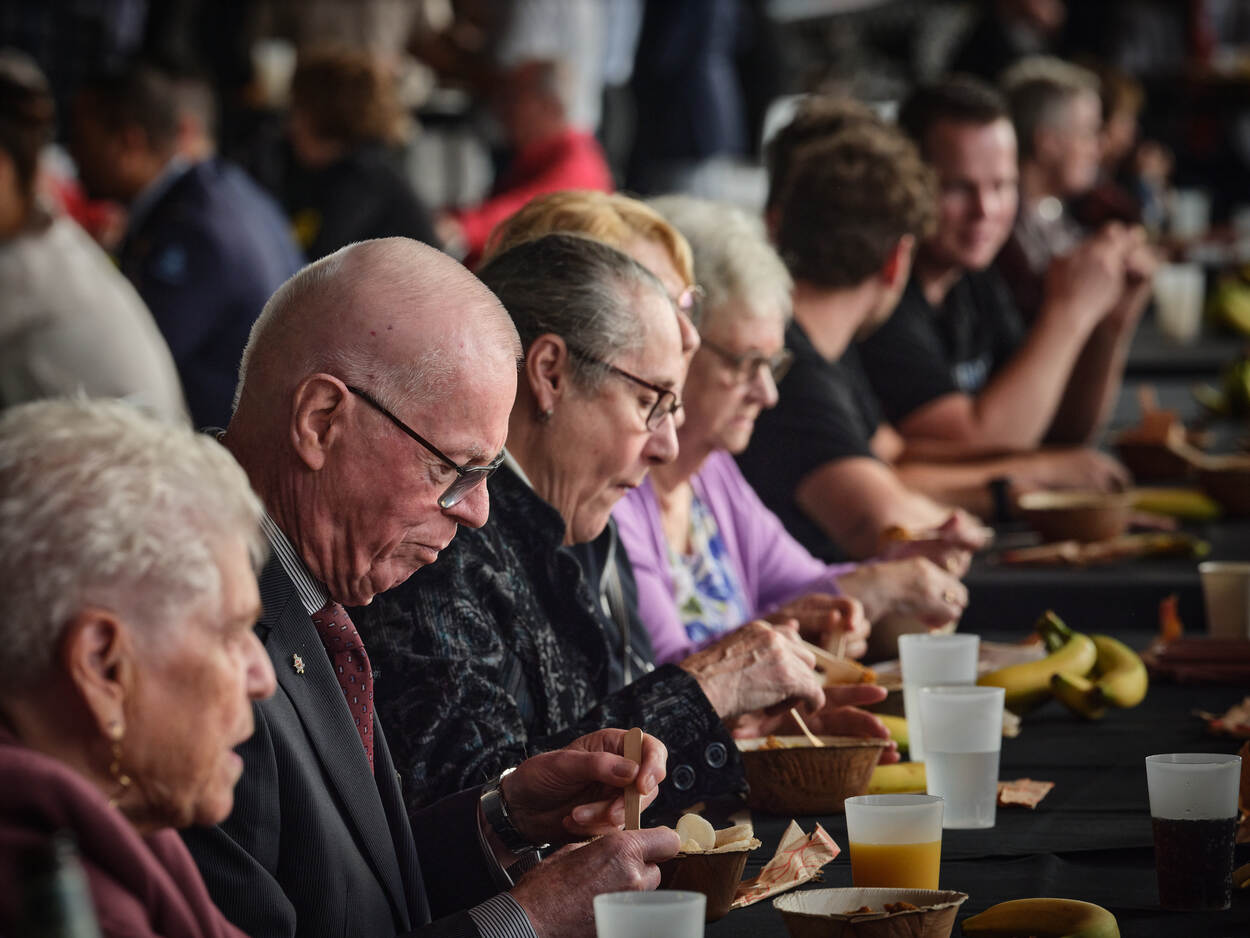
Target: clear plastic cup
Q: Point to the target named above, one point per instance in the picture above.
(929, 661)
(895, 840)
(1179, 291)
(1193, 808)
(650, 914)
(963, 732)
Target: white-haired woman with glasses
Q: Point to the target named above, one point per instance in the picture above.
(498, 651)
(127, 550)
(707, 554)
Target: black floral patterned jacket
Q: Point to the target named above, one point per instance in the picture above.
(494, 654)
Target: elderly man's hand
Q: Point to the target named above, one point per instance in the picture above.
(915, 587)
(579, 790)
(755, 667)
(558, 894)
(823, 619)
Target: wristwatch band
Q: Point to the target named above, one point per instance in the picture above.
(495, 810)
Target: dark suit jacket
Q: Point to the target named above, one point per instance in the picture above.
(205, 257)
(317, 845)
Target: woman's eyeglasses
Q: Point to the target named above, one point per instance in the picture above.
(666, 404)
(747, 367)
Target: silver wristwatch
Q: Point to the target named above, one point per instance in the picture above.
(495, 810)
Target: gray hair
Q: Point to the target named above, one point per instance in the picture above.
(732, 257)
(1038, 89)
(577, 288)
(101, 505)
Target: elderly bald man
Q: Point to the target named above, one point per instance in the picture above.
(373, 400)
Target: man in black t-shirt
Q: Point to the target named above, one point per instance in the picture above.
(957, 365)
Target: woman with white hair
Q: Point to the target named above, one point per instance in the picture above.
(127, 550)
(707, 555)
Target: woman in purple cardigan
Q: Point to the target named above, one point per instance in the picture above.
(707, 554)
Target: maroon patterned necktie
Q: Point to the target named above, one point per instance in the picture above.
(351, 667)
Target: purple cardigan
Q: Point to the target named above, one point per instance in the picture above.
(772, 566)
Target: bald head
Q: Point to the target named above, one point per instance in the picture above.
(391, 314)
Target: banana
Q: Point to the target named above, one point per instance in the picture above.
(1122, 680)
(899, 778)
(1028, 684)
(897, 727)
(1189, 504)
(1043, 918)
(1079, 695)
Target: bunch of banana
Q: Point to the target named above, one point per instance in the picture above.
(899, 778)
(897, 727)
(1028, 684)
(1188, 504)
(1118, 679)
(1043, 918)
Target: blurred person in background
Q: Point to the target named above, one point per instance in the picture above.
(204, 245)
(69, 322)
(548, 154)
(956, 362)
(344, 127)
(129, 551)
(707, 555)
(1007, 31)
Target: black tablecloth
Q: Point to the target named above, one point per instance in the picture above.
(1152, 354)
(1089, 839)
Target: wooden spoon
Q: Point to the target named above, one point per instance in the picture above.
(633, 750)
(806, 732)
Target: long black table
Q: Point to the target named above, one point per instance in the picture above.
(1090, 838)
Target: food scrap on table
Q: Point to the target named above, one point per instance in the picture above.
(1023, 791)
(799, 858)
(1234, 722)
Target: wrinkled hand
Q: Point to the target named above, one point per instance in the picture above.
(578, 790)
(839, 717)
(558, 894)
(950, 545)
(754, 667)
(915, 587)
(823, 619)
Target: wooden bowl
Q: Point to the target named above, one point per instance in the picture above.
(716, 874)
(827, 913)
(1154, 462)
(801, 779)
(1227, 480)
(1077, 516)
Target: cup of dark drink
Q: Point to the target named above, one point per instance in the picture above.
(1193, 807)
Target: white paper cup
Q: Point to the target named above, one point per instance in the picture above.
(1179, 290)
(1193, 809)
(930, 661)
(1226, 592)
(963, 731)
(650, 914)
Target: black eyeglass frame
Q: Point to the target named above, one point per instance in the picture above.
(778, 364)
(467, 477)
(658, 411)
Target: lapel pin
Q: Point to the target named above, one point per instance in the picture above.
(297, 663)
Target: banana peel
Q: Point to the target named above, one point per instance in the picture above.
(1043, 918)
(899, 778)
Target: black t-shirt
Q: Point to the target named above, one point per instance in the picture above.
(922, 353)
(825, 411)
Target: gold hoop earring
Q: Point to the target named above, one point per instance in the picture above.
(116, 734)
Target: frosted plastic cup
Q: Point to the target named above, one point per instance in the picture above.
(1193, 808)
(963, 735)
(1189, 213)
(929, 661)
(895, 840)
(1226, 592)
(650, 914)
(1179, 290)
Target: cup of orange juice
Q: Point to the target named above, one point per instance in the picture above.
(895, 840)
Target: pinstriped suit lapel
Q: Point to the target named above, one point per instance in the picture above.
(318, 699)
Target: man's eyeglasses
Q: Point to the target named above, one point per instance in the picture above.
(666, 404)
(467, 477)
(747, 367)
